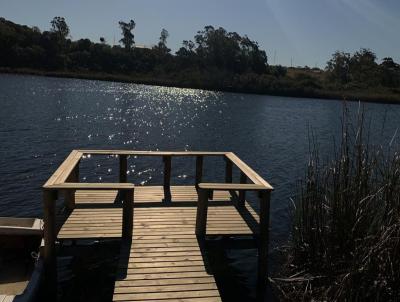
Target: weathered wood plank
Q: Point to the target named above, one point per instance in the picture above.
(166, 295)
(165, 261)
(163, 267)
(232, 187)
(60, 170)
(153, 221)
(152, 153)
(166, 288)
(160, 282)
(251, 174)
(91, 186)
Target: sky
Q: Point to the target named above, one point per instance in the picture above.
(293, 32)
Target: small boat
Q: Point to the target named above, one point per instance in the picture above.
(20, 263)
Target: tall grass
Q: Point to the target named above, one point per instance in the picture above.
(345, 241)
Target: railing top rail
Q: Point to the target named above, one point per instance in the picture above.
(231, 186)
(60, 176)
(91, 186)
(153, 153)
(65, 169)
(251, 174)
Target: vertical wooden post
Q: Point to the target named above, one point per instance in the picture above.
(242, 193)
(265, 198)
(69, 195)
(199, 170)
(167, 178)
(127, 214)
(202, 208)
(123, 168)
(50, 260)
(76, 172)
(228, 170)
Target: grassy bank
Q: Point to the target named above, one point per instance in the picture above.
(345, 241)
(219, 83)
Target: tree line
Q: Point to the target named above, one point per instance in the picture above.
(23, 46)
(361, 70)
(215, 58)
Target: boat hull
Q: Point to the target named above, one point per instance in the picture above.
(21, 267)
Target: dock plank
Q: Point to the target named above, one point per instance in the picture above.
(99, 222)
(167, 269)
(164, 261)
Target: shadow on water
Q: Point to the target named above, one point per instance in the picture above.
(87, 272)
(236, 281)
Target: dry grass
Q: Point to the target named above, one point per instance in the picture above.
(345, 243)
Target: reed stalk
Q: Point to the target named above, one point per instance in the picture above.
(345, 240)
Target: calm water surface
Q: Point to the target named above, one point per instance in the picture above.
(43, 119)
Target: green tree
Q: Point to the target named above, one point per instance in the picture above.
(127, 35)
(390, 73)
(229, 51)
(162, 44)
(339, 67)
(186, 55)
(60, 27)
(364, 69)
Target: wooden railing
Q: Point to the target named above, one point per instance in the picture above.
(66, 180)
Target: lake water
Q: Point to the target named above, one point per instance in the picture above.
(42, 119)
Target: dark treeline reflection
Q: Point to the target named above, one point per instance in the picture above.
(214, 59)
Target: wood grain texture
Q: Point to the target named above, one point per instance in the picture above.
(159, 220)
(91, 186)
(63, 171)
(251, 174)
(152, 153)
(164, 261)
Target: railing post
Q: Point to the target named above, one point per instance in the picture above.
(123, 168)
(228, 170)
(49, 257)
(167, 178)
(265, 198)
(242, 193)
(202, 208)
(127, 214)
(199, 170)
(69, 195)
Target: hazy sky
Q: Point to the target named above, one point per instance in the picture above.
(308, 31)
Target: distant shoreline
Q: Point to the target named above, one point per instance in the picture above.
(382, 98)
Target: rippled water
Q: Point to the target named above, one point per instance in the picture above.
(43, 119)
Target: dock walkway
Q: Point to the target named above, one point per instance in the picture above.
(164, 259)
(162, 229)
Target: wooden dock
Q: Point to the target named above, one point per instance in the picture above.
(162, 228)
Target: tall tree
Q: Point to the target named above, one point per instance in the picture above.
(229, 51)
(60, 27)
(163, 40)
(162, 44)
(390, 73)
(127, 35)
(363, 68)
(339, 67)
